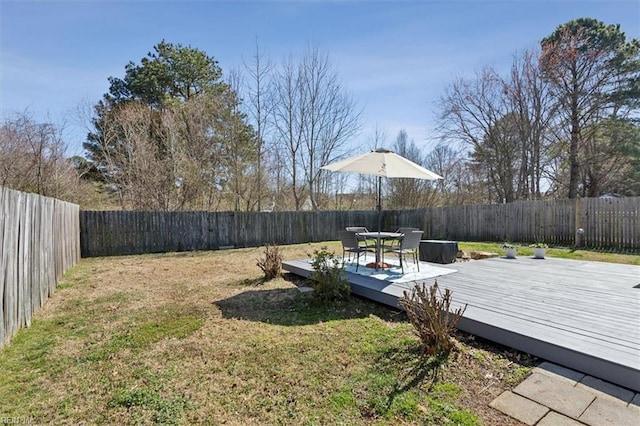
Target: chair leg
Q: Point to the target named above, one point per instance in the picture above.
(415, 255)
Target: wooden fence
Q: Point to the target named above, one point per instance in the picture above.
(606, 223)
(106, 233)
(39, 241)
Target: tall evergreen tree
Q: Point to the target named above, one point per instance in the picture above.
(595, 73)
(161, 134)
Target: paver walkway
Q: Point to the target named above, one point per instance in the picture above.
(556, 396)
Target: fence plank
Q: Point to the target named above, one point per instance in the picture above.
(39, 240)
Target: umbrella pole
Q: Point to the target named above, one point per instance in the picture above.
(379, 204)
(378, 257)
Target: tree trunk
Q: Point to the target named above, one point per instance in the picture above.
(574, 164)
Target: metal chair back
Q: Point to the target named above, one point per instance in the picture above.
(359, 229)
(411, 240)
(351, 244)
(349, 239)
(410, 243)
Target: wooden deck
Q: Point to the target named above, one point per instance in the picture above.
(583, 315)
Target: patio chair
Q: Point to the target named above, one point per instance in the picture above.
(361, 239)
(409, 244)
(395, 244)
(351, 245)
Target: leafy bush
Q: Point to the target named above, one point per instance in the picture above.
(271, 263)
(328, 276)
(539, 245)
(429, 313)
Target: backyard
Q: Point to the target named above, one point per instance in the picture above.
(198, 337)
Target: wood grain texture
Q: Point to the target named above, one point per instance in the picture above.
(39, 241)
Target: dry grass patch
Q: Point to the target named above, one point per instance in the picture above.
(201, 338)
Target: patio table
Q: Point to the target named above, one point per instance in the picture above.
(379, 236)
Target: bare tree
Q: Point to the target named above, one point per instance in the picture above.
(409, 193)
(508, 124)
(142, 171)
(455, 187)
(239, 149)
(534, 109)
(478, 113)
(314, 117)
(331, 119)
(32, 159)
(288, 114)
(260, 109)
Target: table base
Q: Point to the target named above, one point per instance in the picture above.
(379, 265)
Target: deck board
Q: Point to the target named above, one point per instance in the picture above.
(583, 315)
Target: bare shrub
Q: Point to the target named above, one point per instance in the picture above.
(32, 159)
(271, 263)
(429, 313)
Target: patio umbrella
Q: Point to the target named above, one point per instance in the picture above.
(382, 163)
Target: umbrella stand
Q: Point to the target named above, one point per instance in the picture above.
(378, 264)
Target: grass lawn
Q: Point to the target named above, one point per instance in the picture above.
(565, 253)
(186, 338)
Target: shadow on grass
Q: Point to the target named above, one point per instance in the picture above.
(290, 307)
(405, 375)
(416, 371)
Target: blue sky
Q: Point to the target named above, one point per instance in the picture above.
(394, 57)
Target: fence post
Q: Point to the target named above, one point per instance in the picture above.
(578, 222)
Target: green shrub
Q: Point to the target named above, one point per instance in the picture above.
(271, 263)
(329, 282)
(539, 245)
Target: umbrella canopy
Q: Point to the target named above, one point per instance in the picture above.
(382, 162)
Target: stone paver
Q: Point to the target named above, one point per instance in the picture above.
(557, 396)
(605, 389)
(556, 393)
(554, 419)
(559, 371)
(519, 408)
(609, 412)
